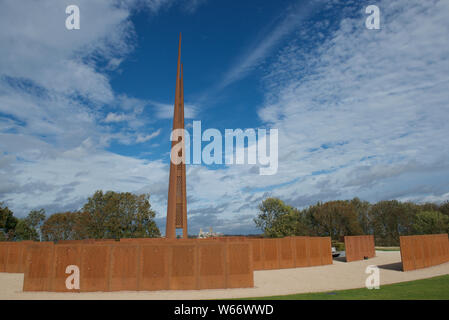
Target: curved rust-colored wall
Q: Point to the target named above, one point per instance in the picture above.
(291, 252)
(12, 255)
(424, 251)
(151, 265)
(163, 264)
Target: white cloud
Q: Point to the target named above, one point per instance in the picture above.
(290, 20)
(366, 109)
(145, 138)
(51, 98)
(114, 117)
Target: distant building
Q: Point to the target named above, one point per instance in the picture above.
(210, 234)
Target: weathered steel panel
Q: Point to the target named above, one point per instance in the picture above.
(270, 254)
(314, 244)
(326, 251)
(407, 256)
(286, 259)
(212, 260)
(423, 251)
(418, 252)
(124, 273)
(257, 254)
(4, 247)
(38, 267)
(154, 260)
(64, 256)
(183, 267)
(427, 247)
(239, 265)
(302, 252)
(14, 258)
(95, 267)
(359, 247)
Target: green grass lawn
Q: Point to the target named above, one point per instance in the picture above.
(432, 288)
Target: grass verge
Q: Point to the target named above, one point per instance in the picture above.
(436, 288)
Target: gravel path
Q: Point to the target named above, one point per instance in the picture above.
(340, 275)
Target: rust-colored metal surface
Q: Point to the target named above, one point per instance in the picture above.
(125, 268)
(359, 247)
(418, 252)
(38, 267)
(407, 255)
(286, 254)
(23, 254)
(270, 254)
(315, 251)
(291, 252)
(301, 252)
(212, 265)
(3, 255)
(239, 272)
(326, 251)
(141, 240)
(177, 196)
(422, 251)
(257, 254)
(154, 262)
(95, 267)
(183, 267)
(64, 256)
(65, 242)
(14, 258)
(168, 264)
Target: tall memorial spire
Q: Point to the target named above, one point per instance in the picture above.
(177, 198)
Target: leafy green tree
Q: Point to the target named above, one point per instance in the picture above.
(362, 209)
(63, 226)
(390, 220)
(23, 231)
(35, 219)
(29, 228)
(444, 208)
(336, 219)
(431, 222)
(119, 215)
(7, 222)
(274, 217)
(428, 206)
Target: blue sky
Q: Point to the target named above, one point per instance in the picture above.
(359, 112)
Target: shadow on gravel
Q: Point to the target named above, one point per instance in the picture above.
(397, 266)
(341, 259)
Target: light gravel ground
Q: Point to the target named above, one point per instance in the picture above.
(340, 275)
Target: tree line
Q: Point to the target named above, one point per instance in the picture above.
(386, 220)
(109, 215)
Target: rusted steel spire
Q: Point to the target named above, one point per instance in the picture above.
(177, 198)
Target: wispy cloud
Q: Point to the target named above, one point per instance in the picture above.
(191, 6)
(292, 17)
(145, 138)
(375, 98)
(114, 117)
